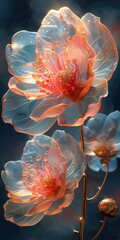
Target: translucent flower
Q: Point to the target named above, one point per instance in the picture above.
(61, 69)
(102, 140)
(43, 182)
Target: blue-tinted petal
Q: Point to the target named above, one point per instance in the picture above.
(90, 140)
(102, 42)
(13, 179)
(21, 55)
(95, 164)
(17, 213)
(17, 110)
(42, 147)
(36, 147)
(114, 129)
(73, 153)
(59, 25)
(112, 165)
(104, 128)
(96, 124)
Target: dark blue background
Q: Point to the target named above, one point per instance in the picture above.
(27, 14)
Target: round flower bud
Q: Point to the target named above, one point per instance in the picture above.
(108, 207)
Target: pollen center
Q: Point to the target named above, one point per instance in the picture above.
(106, 152)
(64, 81)
(41, 181)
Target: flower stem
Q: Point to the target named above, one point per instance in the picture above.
(100, 188)
(101, 228)
(83, 214)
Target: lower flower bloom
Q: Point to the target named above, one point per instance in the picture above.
(102, 140)
(43, 182)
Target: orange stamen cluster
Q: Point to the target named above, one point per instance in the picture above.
(64, 81)
(41, 181)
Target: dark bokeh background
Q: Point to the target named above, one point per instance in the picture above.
(27, 14)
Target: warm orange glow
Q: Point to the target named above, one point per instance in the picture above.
(44, 181)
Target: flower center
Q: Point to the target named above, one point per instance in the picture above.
(105, 152)
(41, 181)
(64, 81)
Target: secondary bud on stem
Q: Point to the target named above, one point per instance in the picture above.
(108, 207)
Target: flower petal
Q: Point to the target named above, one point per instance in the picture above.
(102, 42)
(60, 204)
(111, 128)
(17, 213)
(95, 125)
(103, 129)
(29, 90)
(17, 110)
(73, 153)
(95, 165)
(44, 146)
(86, 107)
(21, 55)
(91, 141)
(60, 25)
(13, 180)
(78, 49)
(39, 207)
(50, 106)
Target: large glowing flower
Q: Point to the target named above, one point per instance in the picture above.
(43, 182)
(60, 72)
(102, 140)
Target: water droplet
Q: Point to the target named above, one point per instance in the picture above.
(38, 158)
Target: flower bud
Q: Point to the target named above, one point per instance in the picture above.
(108, 207)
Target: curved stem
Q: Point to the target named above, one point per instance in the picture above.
(73, 214)
(82, 139)
(101, 228)
(100, 188)
(82, 218)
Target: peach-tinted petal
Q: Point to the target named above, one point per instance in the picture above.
(29, 90)
(72, 184)
(21, 54)
(39, 207)
(59, 205)
(17, 213)
(17, 110)
(86, 107)
(50, 106)
(102, 42)
(79, 50)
